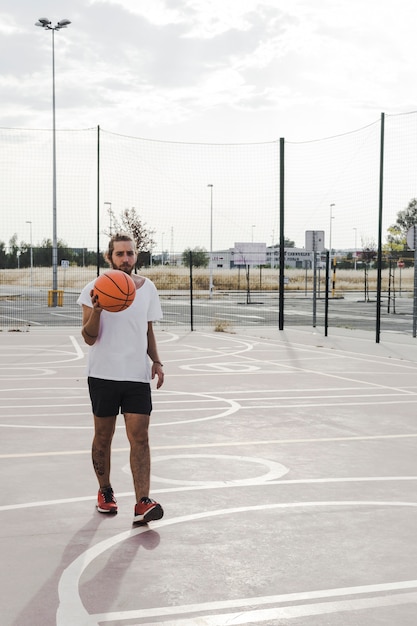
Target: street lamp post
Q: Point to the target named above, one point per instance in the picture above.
(354, 260)
(253, 226)
(31, 254)
(211, 243)
(151, 244)
(330, 232)
(110, 216)
(45, 23)
(330, 240)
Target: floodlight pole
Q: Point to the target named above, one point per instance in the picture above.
(54, 225)
(45, 23)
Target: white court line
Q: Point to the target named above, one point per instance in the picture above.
(289, 612)
(275, 470)
(207, 487)
(212, 445)
(300, 390)
(78, 350)
(230, 411)
(33, 404)
(349, 378)
(19, 319)
(48, 353)
(284, 344)
(72, 611)
(25, 372)
(229, 444)
(210, 353)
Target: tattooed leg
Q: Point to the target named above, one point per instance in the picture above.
(101, 448)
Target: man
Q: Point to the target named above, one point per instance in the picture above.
(122, 347)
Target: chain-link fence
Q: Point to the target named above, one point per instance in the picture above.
(207, 197)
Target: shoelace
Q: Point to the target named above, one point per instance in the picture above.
(108, 495)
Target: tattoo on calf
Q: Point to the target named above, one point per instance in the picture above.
(98, 461)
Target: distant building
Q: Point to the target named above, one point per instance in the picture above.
(294, 257)
(297, 258)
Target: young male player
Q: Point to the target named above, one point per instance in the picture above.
(123, 359)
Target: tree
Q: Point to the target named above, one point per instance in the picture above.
(3, 255)
(406, 218)
(200, 257)
(396, 239)
(130, 222)
(14, 251)
(289, 243)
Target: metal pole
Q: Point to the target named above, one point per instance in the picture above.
(31, 254)
(330, 238)
(326, 301)
(314, 279)
(54, 209)
(109, 212)
(354, 261)
(281, 233)
(110, 225)
(379, 261)
(415, 283)
(98, 204)
(45, 23)
(191, 292)
(211, 243)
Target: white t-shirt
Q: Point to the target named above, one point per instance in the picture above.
(120, 351)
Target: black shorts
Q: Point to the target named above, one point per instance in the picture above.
(109, 397)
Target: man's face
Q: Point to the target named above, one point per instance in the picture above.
(124, 256)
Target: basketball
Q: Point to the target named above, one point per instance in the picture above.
(115, 290)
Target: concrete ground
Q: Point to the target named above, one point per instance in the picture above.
(285, 462)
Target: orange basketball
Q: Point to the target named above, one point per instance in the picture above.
(115, 290)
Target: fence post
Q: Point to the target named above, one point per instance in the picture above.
(326, 298)
(98, 200)
(191, 292)
(281, 234)
(381, 189)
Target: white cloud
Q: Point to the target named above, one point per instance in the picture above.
(205, 59)
(9, 26)
(218, 71)
(154, 11)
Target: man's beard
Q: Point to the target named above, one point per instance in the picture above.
(126, 269)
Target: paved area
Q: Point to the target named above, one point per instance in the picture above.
(285, 462)
(29, 309)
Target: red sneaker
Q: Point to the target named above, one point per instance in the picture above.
(106, 502)
(147, 510)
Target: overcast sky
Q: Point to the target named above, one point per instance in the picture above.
(209, 70)
(216, 71)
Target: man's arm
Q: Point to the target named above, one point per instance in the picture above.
(91, 323)
(157, 367)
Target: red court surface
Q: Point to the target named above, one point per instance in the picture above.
(285, 462)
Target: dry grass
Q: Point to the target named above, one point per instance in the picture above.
(222, 326)
(173, 279)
